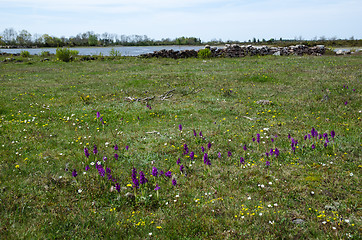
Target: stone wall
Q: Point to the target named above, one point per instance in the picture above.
(236, 50)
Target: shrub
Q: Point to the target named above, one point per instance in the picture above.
(204, 53)
(65, 54)
(45, 54)
(24, 54)
(114, 53)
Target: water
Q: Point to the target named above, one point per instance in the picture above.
(105, 51)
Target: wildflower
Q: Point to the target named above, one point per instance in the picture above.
(258, 138)
(229, 154)
(313, 147)
(253, 139)
(87, 167)
(272, 139)
(309, 136)
(219, 154)
(104, 158)
(242, 161)
(127, 147)
(168, 174)
(143, 179)
(289, 136)
(115, 147)
(195, 134)
(346, 103)
(276, 151)
(244, 147)
(209, 145)
(174, 182)
(80, 190)
(108, 170)
(98, 115)
(180, 127)
(305, 137)
(182, 168)
(116, 156)
(86, 153)
(154, 172)
(118, 187)
(267, 154)
(157, 187)
(74, 173)
(333, 134)
(202, 149)
(271, 152)
(325, 144)
(101, 171)
(178, 161)
(351, 174)
(200, 134)
(267, 163)
(192, 155)
(134, 178)
(186, 149)
(206, 160)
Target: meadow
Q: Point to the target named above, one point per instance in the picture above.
(132, 148)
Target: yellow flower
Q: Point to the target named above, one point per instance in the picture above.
(158, 227)
(129, 185)
(17, 166)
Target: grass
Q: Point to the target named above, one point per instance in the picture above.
(49, 115)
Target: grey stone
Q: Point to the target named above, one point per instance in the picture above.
(298, 221)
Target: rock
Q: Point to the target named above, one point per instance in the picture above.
(263, 102)
(298, 221)
(330, 207)
(277, 53)
(339, 52)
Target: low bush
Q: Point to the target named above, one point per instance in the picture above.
(65, 54)
(24, 54)
(45, 54)
(204, 53)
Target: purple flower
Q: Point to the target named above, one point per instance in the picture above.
(180, 127)
(118, 187)
(161, 173)
(174, 182)
(325, 135)
(195, 134)
(168, 174)
(86, 153)
(143, 179)
(272, 139)
(95, 150)
(192, 155)
(200, 134)
(206, 159)
(209, 145)
(134, 178)
(157, 187)
(325, 144)
(354, 90)
(242, 161)
(186, 149)
(271, 152)
(101, 171)
(116, 147)
(87, 167)
(244, 147)
(267, 163)
(202, 149)
(309, 136)
(276, 151)
(101, 120)
(253, 139)
(104, 158)
(178, 161)
(346, 103)
(258, 138)
(229, 154)
(154, 172)
(182, 168)
(108, 170)
(267, 154)
(289, 136)
(333, 134)
(74, 173)
(98, 115)
(127, 147)
(116, 156)
(305, 137)
(313, 147)
(219, 154)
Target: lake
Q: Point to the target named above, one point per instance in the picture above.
(105, 51)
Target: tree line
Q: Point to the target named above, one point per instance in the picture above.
(12, 38)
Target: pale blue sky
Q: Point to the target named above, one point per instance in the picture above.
(206, 19)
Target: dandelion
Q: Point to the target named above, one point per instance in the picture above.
(74, 173)
(174, 182)
(154, 172)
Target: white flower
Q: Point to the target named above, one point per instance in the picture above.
(260, 214)
(269, 205)
(177, 195)
(262, 185)
(271, 222)
(266, 129)
(84, 173)
(346, 220)
(324, 222)
(351, 174)
(312, 192)
(107, 143)
(92, 163)
(249, 198)
(166, 203)
(60, 176)
(334, 228)
(270, 183)
(275, 204)
(99, 163)
(150, 234)
(80, 190)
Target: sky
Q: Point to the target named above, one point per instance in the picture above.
(239, 20)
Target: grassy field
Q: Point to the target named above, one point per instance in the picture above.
(130, 148)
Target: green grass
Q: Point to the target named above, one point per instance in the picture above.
(48, 115)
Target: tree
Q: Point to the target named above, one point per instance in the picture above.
(9, 36)
(24, 38)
